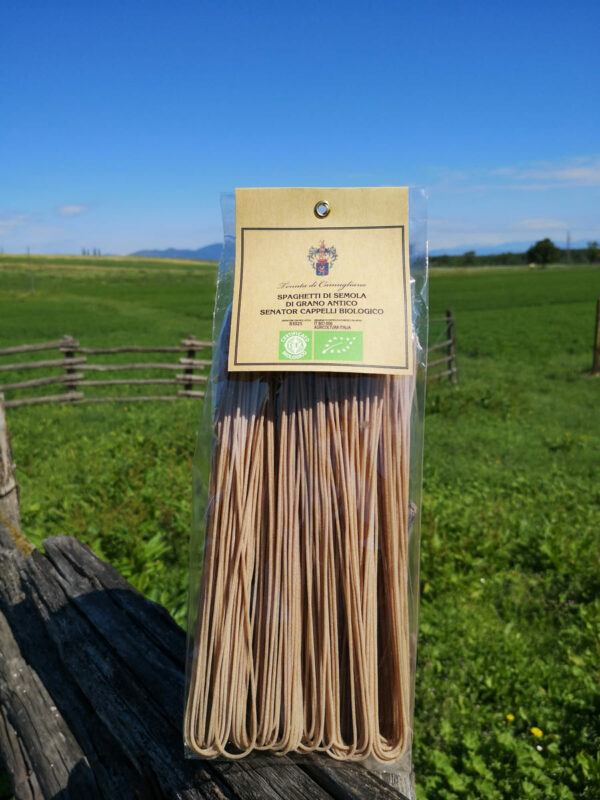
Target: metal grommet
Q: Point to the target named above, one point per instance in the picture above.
(322, 209)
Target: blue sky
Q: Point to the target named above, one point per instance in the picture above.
(122, 122)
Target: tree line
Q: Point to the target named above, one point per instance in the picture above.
(541, 253)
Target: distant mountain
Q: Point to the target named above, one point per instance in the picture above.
(211, 252)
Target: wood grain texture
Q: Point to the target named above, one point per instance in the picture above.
(111, 665)
(44, 754)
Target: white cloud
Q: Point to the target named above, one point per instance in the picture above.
(582, 171)
(541, 224)
(448, 233)
(575, 172)
(72, 210)
(7, 224)
(463, 236)
(503, 171)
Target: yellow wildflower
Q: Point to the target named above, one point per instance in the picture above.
(510, 717)
(537, 732)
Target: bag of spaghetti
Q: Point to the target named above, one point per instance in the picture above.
(305, 543)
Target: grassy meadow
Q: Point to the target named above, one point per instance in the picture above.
(508, 679)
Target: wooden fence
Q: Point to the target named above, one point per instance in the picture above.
(445, 342)
(76, 368)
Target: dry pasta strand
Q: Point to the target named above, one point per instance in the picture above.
(302, 639)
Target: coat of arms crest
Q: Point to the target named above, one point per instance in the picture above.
(322, 258)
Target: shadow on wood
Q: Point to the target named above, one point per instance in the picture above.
(92, 691)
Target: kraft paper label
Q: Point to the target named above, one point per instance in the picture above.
(322, 294)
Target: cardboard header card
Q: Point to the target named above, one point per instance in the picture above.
(322, 281)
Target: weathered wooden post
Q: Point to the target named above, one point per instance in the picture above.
(596, 361)
(9, 490)
(68, 348)
(190, 363)
(10, 517)
(191, 354)
(451, 337)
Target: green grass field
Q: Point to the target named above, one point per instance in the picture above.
(508, 697)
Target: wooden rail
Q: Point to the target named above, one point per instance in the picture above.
(448, 345)
(75, 366)
(29, 348)
(56, 362)
(191, 370)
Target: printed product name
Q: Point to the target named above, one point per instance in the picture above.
(321, 303)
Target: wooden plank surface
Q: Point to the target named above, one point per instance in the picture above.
(112, 663)
(29, 716)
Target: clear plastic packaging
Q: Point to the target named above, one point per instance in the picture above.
(304, 565)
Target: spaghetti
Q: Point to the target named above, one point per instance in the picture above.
(302, 639)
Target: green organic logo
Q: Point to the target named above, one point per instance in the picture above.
(338, 346)
(295, 345)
